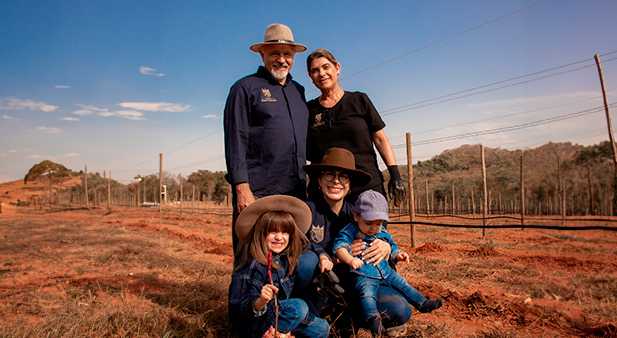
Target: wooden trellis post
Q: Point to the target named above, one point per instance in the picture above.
(109, 192)
(412, 212)
(610, 127)
(428, 211)
(86, 187)
(522, 196)
(485, 212)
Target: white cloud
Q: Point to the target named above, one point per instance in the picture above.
(130, 114)
(82, 112)
(211, 116)
(71, 155)
(149, 71)
(15, 103)
(87, 110)
(86, 107)
(62, 87)
(70, 119)
(34, 156)
(127, 114)
(10, 118)
(155, 106)
(48, 130)
(20, 150)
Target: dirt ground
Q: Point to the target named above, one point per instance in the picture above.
(513, 283)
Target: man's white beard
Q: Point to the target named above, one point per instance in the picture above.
(279, 75)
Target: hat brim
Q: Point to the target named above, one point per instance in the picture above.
(298, 47)
(300, 212)
(359, 178)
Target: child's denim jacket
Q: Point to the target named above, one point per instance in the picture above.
(352, 232)
(245, 288)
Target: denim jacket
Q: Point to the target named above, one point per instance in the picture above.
(245, 288)
(351, 232)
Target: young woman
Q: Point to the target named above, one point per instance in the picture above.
(259, 294)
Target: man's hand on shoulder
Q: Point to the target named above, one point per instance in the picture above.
(245, 196)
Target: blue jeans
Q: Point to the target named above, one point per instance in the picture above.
(367, 288)
(294, 317)
(391, 304)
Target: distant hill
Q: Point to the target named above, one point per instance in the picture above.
(11, 192)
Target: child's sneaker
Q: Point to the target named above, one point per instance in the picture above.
(430, 305)
(396, 331)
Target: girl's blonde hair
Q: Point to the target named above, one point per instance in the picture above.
(275, 221)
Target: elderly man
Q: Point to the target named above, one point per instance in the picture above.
(265, 123)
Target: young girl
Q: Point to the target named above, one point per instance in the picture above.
(259, 294)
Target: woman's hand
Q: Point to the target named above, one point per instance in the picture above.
(373, 254)
(325, 263)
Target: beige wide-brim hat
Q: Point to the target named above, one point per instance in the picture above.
(343, 160)
(277, 34)
(294, 206)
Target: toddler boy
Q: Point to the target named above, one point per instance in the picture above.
(370, 213)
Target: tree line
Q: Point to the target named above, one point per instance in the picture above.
(448, 182)
(583, 174)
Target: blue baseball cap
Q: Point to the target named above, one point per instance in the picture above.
(372, 206)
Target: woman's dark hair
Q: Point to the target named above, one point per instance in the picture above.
(319, 53)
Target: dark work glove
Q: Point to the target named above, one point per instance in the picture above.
(396, 187)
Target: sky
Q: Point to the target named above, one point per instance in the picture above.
(112, 84)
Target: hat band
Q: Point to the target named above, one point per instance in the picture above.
(280, 41)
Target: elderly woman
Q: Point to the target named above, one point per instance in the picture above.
(336, 174)
(339, 118)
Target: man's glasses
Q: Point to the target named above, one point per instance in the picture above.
(330, 176)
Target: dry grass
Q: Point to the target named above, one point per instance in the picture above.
(87, 278)
(87, 273)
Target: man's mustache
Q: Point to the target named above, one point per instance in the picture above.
(278, 64)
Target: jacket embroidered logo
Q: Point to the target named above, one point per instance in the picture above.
(267, 97)
(317, 233)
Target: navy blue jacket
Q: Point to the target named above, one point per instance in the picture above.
(326, 225)
(265, 126)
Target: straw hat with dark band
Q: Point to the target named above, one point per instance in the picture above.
(343, 160)
(276, 34)
(294, 206)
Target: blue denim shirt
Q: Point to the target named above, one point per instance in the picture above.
(351, 232)
(265, 126)
(245, 288)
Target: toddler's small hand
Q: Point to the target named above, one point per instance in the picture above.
(356, 263)
(403, 256)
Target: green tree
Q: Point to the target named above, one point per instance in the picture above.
(50, 170)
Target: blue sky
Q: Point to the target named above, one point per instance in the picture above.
(111, 84)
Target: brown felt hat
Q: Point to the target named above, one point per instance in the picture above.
(294, 206)
(277, 34)
(343, 160)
